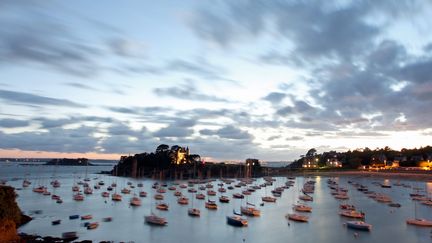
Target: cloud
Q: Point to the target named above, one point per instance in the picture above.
(127, 47)
(13, 123)
(32, 99)
(187, 91)
(79, 140)
(228, 132)
(275, 97)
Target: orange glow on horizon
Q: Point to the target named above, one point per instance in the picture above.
(15, 153)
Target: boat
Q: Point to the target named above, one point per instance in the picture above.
(161, 190)
(56, 222)
(75, 216)
(162, 206)
(238, 195)
(236, 220)
(194, 212)
(93, 225)
(192, 190)
(302, 208)
(395, 205)
(69, 236)
(352, 214)
(155, 220)
(250, 211)
(306, 198)
(211, 193)
(177, 193)
(224, 199)
(172, 188)
(78, 197)
(88, 191)
(116, 197)
(347, 207)
(107, 219)
(135, 201)
(417, 220)
(59, 201)
(297, 217)
(420, 222)
(158, 197)
(211, 204)
(143, 194)
(359, 225)
(200, 196)
(268, 199)
(105, 194)
(183, 201)
(86, 217)
(125, 191)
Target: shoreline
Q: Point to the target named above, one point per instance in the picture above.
(408, 175)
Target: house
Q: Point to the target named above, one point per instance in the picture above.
(310, 162)
(333, 162)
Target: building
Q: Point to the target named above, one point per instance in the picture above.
(310, 162)
(333, 162)
(181, 155)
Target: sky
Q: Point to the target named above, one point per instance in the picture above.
(266, 79)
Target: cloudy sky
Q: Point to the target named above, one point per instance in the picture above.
(230, 79)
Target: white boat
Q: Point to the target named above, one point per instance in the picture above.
(194, 212)
(155, 220)
(360, 225)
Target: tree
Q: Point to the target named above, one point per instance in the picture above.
(162, 148)
(312, 152)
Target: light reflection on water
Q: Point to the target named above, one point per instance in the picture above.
(325, 225)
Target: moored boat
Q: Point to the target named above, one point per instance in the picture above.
(211, 204)
(194, 212)
(250, 211)
(297, 217)
(302, 208)
(359, 225)
(236, 220)
(135, 201)
(155, 220)
(352, 214)
(268, 199)
(420, 222)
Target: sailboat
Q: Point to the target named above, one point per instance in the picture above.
(195, 212)
(418, 221)
(250, 209)
(297, 217)
(153, 219)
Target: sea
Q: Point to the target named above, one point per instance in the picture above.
(325, 224)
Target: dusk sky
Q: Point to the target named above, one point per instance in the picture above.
(229, 79)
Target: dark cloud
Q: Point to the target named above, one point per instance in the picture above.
(32, 99)
(294, 138)
(80, 86)
(187, 92)
(275, 97)
(78, 140)
(228, 132)
(271, 138)
(13, 123)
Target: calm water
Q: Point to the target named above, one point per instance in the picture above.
(325, 225)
